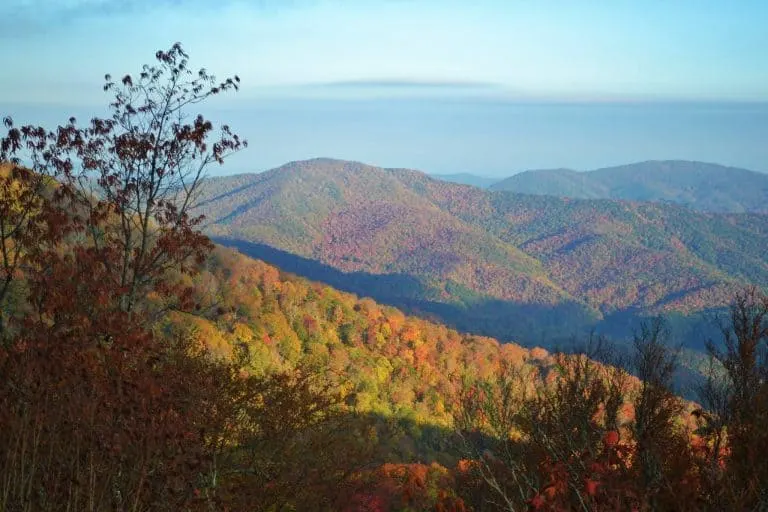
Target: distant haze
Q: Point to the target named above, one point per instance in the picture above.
(485, 136)
(488, 87)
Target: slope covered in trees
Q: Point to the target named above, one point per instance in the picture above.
(465, 423)
(530, 268)
(393, 365)
(143, 369)
(698, 185)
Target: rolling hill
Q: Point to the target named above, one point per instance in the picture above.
(698, 185)
(517, 267)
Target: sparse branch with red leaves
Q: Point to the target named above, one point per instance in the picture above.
(145, 165)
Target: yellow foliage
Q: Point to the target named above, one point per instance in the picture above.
(242, 332)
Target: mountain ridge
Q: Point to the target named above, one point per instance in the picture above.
(494, 262)
(699, 185)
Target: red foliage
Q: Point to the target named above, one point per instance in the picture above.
(123, 417)
(611, 439)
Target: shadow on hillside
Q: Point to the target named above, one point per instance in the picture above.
(387, 288)
(563, 327)
(404, 440)
(689, 331)
(528, 324)
(548, 326)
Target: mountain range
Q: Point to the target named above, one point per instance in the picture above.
(699, 185)
(536, 269)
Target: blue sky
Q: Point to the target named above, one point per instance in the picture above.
(55, 50)
(440, 85)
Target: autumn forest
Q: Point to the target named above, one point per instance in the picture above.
(359, 338)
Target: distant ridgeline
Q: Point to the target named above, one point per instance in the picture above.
(534, 269)
(698, 185)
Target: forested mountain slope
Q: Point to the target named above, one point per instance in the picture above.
(532, 268)
(144, 368)
(698, 185)
(392, 365)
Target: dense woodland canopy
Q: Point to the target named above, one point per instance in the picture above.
(524, 268)
(142, 368)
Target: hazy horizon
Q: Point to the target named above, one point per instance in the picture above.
(488, 87)
(484, 137)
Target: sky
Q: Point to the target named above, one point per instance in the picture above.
(53, 53)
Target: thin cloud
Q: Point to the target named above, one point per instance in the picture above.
(402, 84)
(24, 16)
(21, 17)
